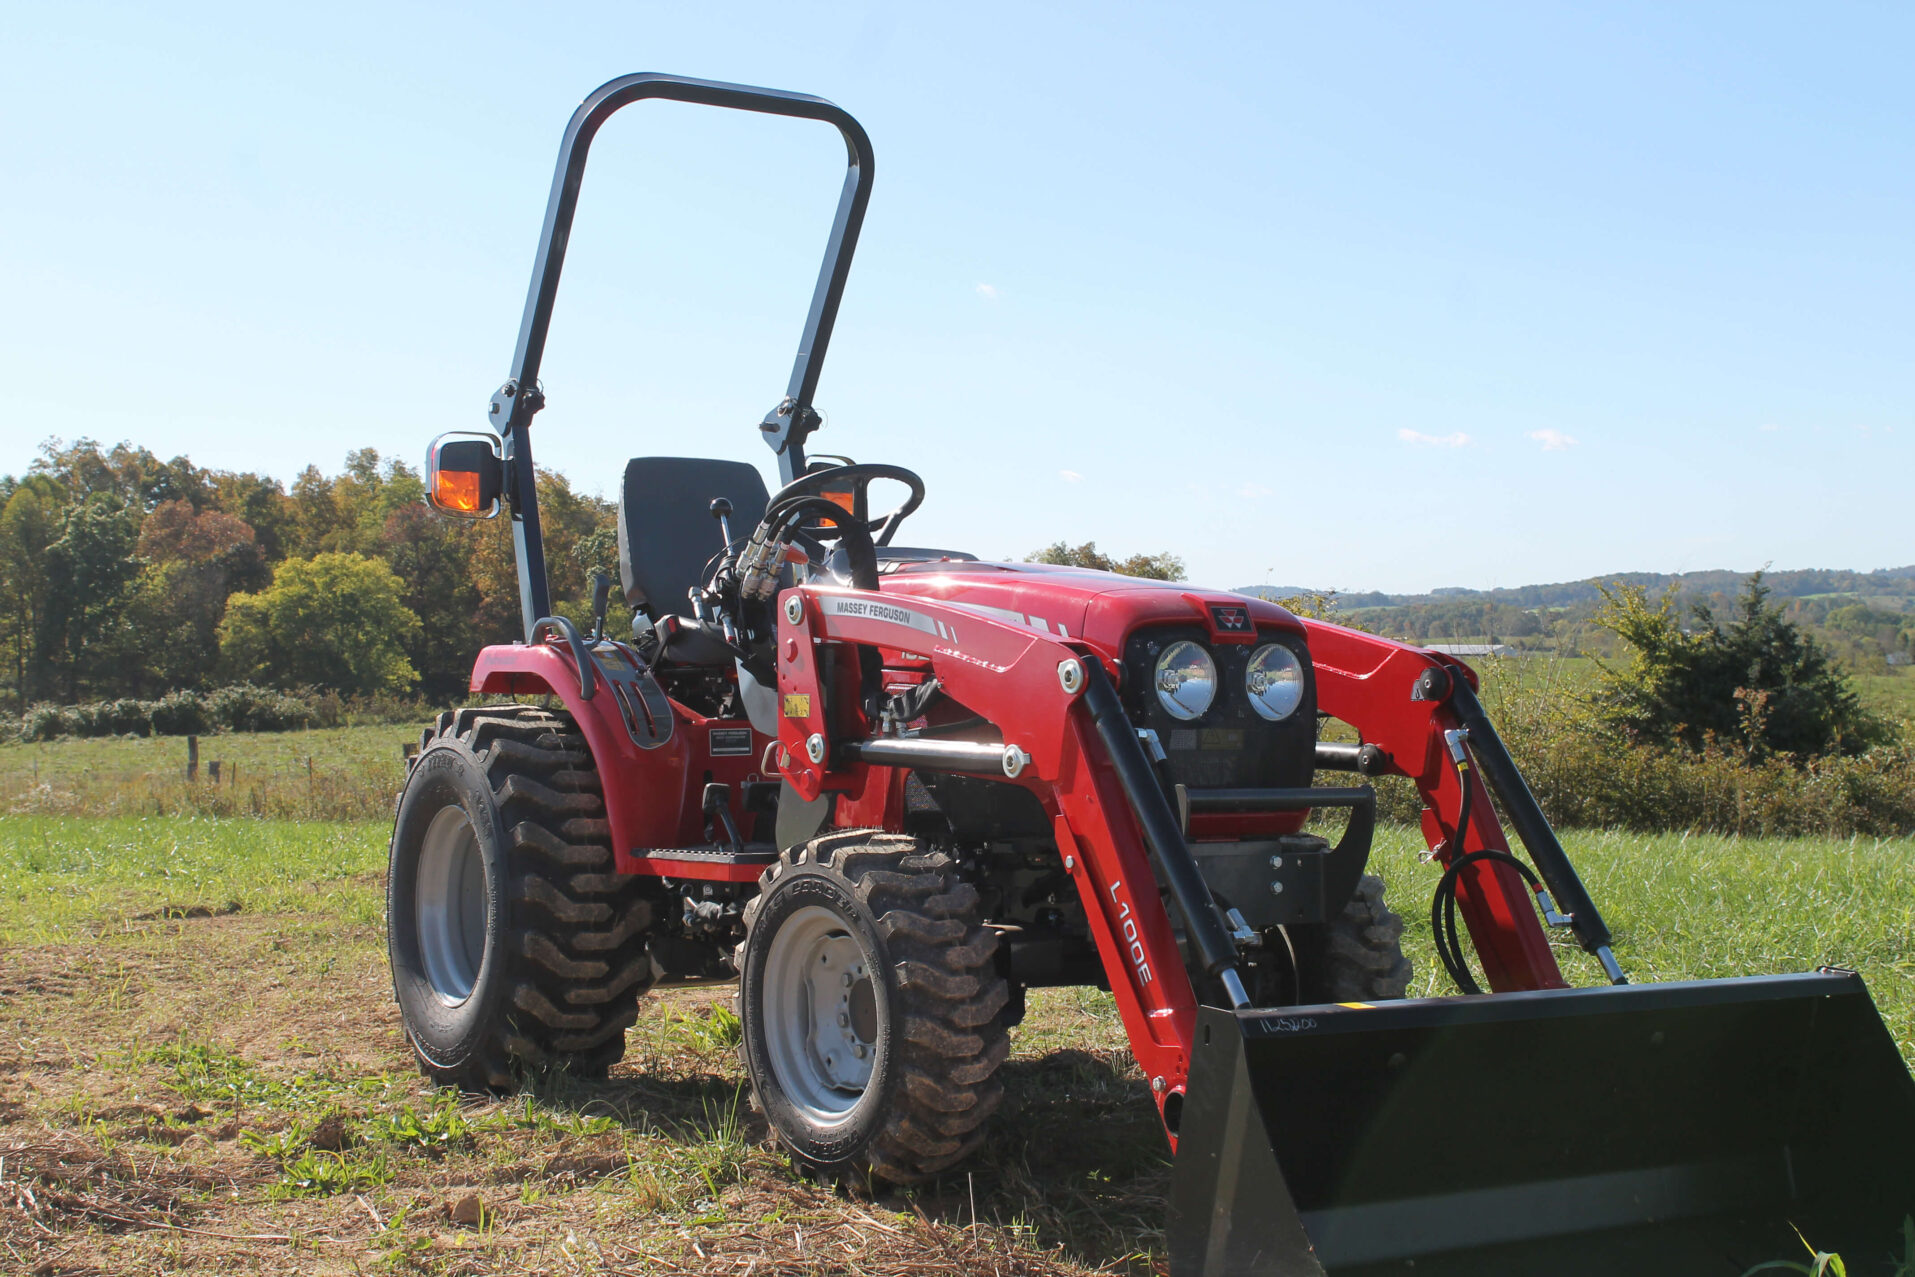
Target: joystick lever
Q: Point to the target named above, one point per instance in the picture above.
(601, 598)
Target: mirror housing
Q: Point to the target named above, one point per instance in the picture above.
(465, 477)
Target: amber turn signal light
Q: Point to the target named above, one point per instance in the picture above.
(463, 476)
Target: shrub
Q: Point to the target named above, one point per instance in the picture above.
(242, 707)
(42, 722)
(1757, 685)
(180, 714)
(1587, 775)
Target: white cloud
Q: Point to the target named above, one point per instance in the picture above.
(1553, 440)
(1769, 429)
(987, 291)
(1457, 440)
(1252, 491)
(1070, 476)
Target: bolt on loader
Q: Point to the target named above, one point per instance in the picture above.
(887, 790)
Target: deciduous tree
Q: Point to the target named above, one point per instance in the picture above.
(334, 621)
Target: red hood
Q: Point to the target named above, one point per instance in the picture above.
(1101, 607)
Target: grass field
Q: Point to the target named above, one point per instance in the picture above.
(324, 773)
(200, 1067)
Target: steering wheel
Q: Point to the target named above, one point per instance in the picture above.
(811, 488)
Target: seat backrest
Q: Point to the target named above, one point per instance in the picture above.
(666, 533)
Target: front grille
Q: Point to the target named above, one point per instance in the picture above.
(1230, 746)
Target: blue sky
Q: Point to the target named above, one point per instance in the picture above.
(1365, 297)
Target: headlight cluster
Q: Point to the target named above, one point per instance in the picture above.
(1186, 681)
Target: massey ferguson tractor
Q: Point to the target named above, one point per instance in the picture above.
(888, 790)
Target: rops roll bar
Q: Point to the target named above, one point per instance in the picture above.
(786, 426)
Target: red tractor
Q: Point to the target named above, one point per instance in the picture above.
(890, 789)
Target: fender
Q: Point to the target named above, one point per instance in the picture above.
(656, 800)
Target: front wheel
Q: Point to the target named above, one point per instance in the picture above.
(1357, 956)
(870, 1006)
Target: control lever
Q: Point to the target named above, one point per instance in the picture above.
(601, 598)
(718, 814)
(721, 511)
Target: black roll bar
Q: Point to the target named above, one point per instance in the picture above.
(786, 426)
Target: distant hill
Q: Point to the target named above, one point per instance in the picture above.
(1888, 585)
(1867, 619)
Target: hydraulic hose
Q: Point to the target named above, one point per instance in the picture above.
(1443, 932)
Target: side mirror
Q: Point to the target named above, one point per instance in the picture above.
(464, 476)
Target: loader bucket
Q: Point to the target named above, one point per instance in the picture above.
(1617, 1132)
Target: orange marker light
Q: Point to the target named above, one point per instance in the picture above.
(462, 476)
(457, 490)
(843, 499)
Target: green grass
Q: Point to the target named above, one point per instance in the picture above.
(1890, 694)
(1688, 907)
(275, 1025)
(65, 877)
(1681, 906)
(322, 773)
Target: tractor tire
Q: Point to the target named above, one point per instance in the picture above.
(870, 1003)
(516, 947)
(1357, 957)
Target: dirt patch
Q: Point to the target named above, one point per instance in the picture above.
(171, 913)
(234, 1094)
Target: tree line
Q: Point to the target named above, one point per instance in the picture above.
(122, 575)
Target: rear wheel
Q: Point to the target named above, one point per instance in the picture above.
(1358, 956)
(870, 1004)
(515, 946)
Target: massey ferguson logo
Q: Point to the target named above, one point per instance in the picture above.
(1231, 620)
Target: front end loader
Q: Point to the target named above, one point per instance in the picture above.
(887, 790)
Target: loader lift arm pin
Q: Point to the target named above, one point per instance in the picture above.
(1209, 935)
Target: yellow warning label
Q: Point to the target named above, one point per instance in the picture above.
(797, 705)
(1357, 1006)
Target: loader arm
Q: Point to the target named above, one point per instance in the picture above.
(1378, 686)
(1010, 674)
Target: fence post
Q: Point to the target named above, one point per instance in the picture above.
(192, 758)
(212, 771)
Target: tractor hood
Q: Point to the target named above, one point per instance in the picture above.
(1100, 607)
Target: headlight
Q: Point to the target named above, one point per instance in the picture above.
(1274, 680)
(1186, 680)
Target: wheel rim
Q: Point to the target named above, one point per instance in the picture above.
(820, 1014)
(450, 895)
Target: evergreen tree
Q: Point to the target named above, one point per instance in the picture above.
(1757, 683)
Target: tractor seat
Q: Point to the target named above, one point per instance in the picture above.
(666, 533)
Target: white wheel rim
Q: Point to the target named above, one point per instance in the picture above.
(449, 897)
(820, 1015)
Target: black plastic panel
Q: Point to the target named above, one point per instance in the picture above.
(666, 533)
(1230, 746)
